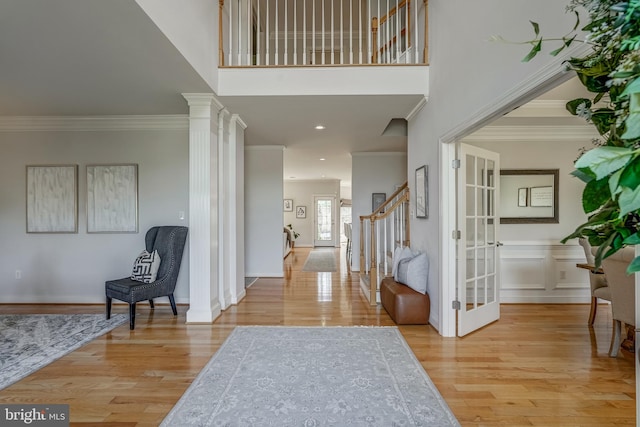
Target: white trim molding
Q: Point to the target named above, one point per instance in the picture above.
(533, 133)
(93, 123)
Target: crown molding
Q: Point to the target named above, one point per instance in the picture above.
(541, 108)
(416, 109)
(93, 123)
(265, 147)
(378, 153)
(533, 133)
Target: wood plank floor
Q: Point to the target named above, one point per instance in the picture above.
(539, 365)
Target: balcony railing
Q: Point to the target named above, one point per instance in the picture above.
(322, 32)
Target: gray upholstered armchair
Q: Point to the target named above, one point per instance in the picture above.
(598, 281)
(169, 241)
(623, 293)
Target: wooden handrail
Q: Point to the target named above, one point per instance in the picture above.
(393, 11)
(388, 201)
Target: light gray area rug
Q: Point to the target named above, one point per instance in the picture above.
(320, 260)
(301, 376)
(31, 341)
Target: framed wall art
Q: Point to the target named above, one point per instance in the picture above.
(112, 198)
(301, 211)
(52, 199)
(422, 200)
(376, 200)
(288, 205)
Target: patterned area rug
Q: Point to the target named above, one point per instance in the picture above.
(300, 376)
(320, 260)
(31, 341)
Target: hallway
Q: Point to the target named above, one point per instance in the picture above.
(538, 365)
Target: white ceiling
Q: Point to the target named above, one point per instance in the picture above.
(106, 57)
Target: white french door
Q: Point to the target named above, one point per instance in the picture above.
(324, 221)
(478, 246)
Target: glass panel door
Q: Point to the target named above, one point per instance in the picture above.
(478, 192)
(324, 221)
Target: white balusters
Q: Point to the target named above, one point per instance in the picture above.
(303, 32)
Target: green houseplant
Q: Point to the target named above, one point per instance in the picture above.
(611, 72)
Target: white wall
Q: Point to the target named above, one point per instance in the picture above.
(192, 28)
(302, 193)
(263, 192)
(534, 265)
(372, 173)
(527, 155)
(467, 74)
(72, 268)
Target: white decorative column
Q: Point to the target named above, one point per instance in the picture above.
(235, 207)
(204, 304)
(224, 236)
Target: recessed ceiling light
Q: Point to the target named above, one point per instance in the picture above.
(322, 158)
(292, 177)
(320, 127)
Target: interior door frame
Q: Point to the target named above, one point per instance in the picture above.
(530, 88)
(335, 219)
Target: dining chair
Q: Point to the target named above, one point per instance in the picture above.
(623, 293)
(597, 280)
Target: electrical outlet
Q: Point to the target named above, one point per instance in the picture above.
(18, 274)
(181, 215)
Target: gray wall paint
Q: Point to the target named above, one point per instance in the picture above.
(72, 268)
(263, 167)
(372, 173)
(302, 193)
(520, 155)
(462, 90)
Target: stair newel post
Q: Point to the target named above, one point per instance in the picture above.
(373, 272)
(407, 218)
(374, 39)
(220, 42)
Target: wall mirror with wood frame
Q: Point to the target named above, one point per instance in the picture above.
(529, 196)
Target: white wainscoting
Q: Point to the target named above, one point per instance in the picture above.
(543, 272)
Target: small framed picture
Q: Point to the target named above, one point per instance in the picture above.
(522, 197)
(288, 205)
(376, 200)
(301, 211)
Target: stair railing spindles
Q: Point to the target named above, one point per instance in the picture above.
(426, 32)
(277, 45)
(220, 38)
(286, 33)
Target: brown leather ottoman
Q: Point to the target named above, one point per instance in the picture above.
(404, 305)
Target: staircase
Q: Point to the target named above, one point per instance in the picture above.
(381, 232)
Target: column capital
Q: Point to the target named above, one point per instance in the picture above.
(203, 100)
(235, 118)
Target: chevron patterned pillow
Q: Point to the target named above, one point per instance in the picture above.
(145, 267)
